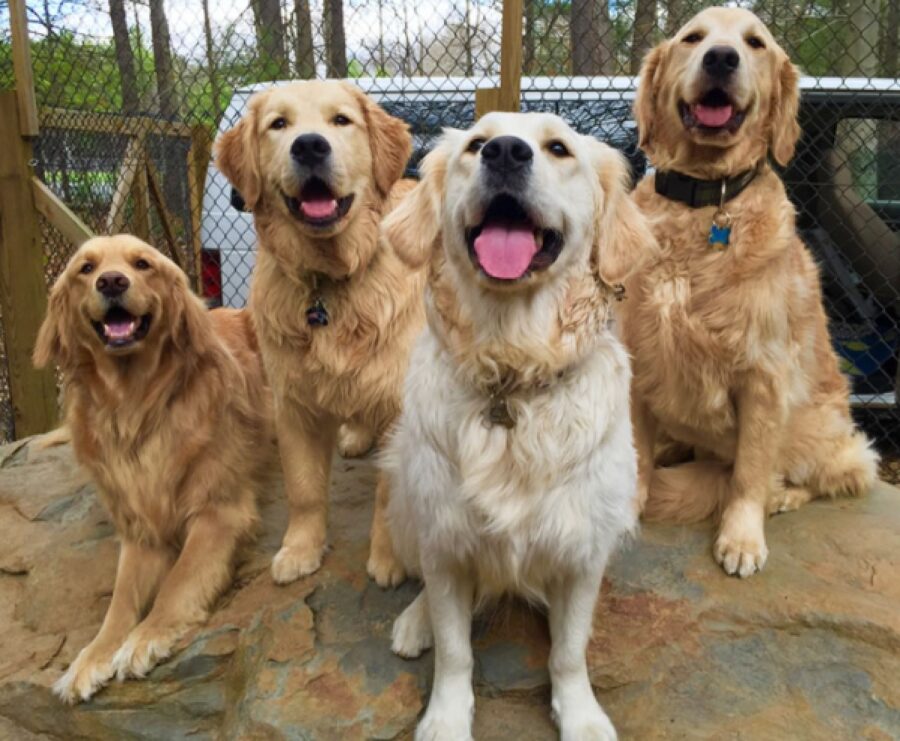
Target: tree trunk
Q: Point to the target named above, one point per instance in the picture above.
(644, 30)
(592, 38)
(675, 16)
(173, 180)
(306, 63)
(528, 38)
(124, 56)
(270, 38)
(215, 89)
(890, 29)
(335, 43)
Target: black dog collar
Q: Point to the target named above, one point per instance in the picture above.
(697, 193)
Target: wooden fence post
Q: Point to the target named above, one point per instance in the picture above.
(23, 289)
(506, 97)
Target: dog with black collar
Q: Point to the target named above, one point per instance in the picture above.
(732, 357)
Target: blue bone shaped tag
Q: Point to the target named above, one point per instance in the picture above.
(719, 234)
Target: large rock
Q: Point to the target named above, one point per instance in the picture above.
(808, 649)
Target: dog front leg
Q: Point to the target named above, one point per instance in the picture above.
(140, 571)
(450, 595)
(200, 574)
(740, 547)
(644, 430)
(306, 443)
(383, 565)
(575, 708)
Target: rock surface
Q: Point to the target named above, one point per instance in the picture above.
(808, 649)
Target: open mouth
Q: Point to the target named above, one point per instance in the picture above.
(120, 328)
(714, 112)
(508, 245)
(317, 205)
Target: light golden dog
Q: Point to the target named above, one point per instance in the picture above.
(168, 411)
(336, 312)
(732, 357)
(513, 467)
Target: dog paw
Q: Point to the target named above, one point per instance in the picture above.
(144, 648)
(740, 547)
(585, 724)
(446, 722)
(354, 441)
(387, 571)
(788, 499)
(291, 563)
(411, 634)
(84, 677)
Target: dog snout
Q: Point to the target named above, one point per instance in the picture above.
(721, 61)
(112, 284)
(506, 153)
(310, 149)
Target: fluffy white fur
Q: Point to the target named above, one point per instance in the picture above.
(480, 510)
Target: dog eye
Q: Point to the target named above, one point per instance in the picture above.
(341, 120)
(278, 123)
(142, 265)
(754, 42)
(475, 145)
(558, 149)
(693, 38)
(87, 268)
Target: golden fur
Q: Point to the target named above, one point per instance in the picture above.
(175, 430)
(732, 357)
(352, 370)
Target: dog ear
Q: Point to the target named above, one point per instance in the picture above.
(785, 130)
(51, 345)
(389, 141)
(648, 89)
(414, 226)
(191, 331)
(623, 241)
(237, 157)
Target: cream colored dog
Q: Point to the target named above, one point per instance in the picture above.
(512, 466)
(732, 358)
(336, 312)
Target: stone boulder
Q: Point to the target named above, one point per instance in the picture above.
(809, 649)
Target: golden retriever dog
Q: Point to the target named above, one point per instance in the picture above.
(168, 410)
(512, 466)
(729, 340)
(319, 164)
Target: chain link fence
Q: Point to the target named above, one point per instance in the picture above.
(132, 94)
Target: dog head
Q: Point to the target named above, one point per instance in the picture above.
(315, 152)
(718, 95)
(117, 297)
(521, 200)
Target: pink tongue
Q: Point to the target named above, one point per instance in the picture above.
(713, 116)
(117, 330)
(319, 208)
(505, 253)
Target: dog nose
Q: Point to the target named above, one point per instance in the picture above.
(112, 284)
(310, 149)
(506, 153)
(721, 61)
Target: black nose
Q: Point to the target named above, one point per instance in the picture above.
(310, 149)
(721, 61)
(506, 153)
(112, 284)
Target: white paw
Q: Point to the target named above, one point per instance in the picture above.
(446, 722)
(387, 572)
(411, 634)
(83, 678)
(143, 649)
(583, 721)
(290, 563)
(740, 547)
